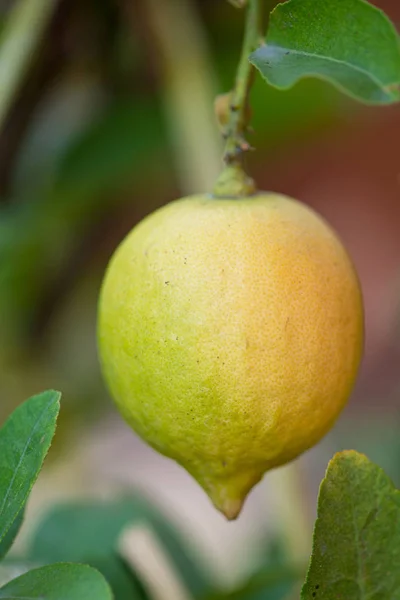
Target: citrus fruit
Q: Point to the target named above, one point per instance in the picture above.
(230, 335)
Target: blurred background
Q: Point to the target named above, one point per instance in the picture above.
(106, 113)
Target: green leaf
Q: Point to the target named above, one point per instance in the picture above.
(11, 569)
(116, 149)
(58, 582)
(89, 532)
(349, 43)
(25, 439)
(123, 582)
(273, 584)
(11, 534)
(275, 579)
(356, 550)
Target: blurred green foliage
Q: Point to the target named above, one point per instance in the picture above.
(90, 532)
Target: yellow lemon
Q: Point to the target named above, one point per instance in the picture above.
(230, 335)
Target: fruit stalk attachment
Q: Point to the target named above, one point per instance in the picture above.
(234, 114)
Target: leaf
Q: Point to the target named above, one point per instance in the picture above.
(119, 147)
(89, 532)
(11, 569)
(58, 582)
(356, 549)
(123, 582)
(275, 579)
(274, 584)
(349, 43)
(11, 534)
(25, 439)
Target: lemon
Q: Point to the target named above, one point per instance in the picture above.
(230, 335)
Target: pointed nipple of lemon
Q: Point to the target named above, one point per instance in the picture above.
(230, 507)
(228, 494)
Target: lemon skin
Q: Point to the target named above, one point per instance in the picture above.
(230, 335)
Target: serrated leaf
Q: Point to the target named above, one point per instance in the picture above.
(58, 582)
(89, 532)
(25, 439)
(11, 534)
(349, 43)
(356, 549)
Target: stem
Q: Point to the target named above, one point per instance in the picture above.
(233, 180)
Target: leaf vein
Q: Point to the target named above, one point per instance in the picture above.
(23, 453)
(368, 74)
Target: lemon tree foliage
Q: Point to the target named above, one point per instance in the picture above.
(215, 335)
(89, 532)
(350, 43)
(58, 582)
(25, 439)
(11, 534)
(356, 550)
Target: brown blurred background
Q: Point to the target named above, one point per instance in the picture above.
(110, 116)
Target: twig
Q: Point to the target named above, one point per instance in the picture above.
(236, 112)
